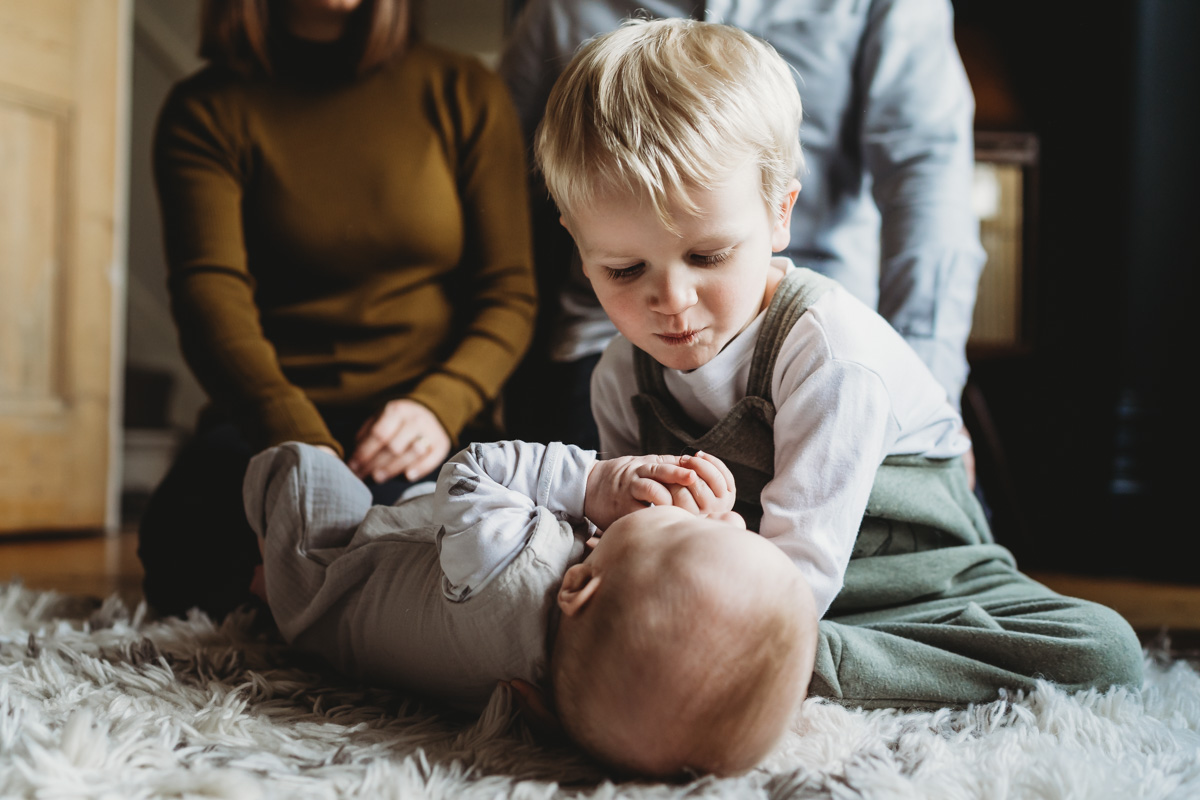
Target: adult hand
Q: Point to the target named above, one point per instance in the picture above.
(403, 438)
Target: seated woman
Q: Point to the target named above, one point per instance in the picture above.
(349, 264)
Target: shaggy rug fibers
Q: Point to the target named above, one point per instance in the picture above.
(101, 702)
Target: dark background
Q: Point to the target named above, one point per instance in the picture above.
(1096, 417)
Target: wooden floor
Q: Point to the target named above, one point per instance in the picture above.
(80, 565)
(101, 566)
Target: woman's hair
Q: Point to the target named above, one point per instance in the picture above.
(234, 34)
(661, 108)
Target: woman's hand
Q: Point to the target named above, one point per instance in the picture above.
(403, 438)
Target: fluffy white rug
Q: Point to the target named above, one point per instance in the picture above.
(105, 703)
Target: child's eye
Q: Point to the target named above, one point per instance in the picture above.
(714, 258)
(625, 273)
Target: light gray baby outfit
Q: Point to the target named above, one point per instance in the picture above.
(445, 593)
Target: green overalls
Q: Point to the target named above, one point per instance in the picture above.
(932, 612)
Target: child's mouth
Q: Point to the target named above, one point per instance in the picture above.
(686, 337)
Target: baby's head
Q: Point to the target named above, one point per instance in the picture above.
(685, 645)
(658, 109)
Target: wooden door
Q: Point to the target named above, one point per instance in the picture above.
(62, 89)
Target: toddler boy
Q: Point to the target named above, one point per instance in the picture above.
(680, 643)
(671, 149)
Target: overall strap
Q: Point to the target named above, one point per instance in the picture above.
(798, 290)
(652, 384)
(648, 373)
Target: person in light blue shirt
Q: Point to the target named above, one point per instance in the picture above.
(885, 206)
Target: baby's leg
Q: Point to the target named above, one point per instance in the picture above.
(305, 506)
(972, 626)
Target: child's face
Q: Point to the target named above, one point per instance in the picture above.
(683, 295)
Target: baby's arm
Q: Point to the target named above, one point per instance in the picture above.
(490, 498)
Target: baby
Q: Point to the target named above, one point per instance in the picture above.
(622, 594)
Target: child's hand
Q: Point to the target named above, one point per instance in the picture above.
(712, 495)
(620, 486)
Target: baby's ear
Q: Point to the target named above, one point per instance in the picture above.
(578, 586)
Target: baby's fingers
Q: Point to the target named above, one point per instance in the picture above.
(702, 497)
(713, 471)
(682, 497)
(667, 472)
(648, 490)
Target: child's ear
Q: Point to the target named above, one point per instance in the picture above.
(578, 586)
(781, 233)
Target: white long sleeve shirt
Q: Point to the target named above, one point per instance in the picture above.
(848, 392)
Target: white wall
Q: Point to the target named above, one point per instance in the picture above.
(472, 26)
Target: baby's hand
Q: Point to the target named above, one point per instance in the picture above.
(713, 494)
(620, 486)
(700, 483)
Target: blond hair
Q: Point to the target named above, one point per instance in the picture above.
(663, 107)
(667, 676)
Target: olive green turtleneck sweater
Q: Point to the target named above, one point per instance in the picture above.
(340, 243)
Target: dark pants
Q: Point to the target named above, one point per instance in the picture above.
(195, 545)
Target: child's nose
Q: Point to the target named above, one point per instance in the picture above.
(674, 292)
